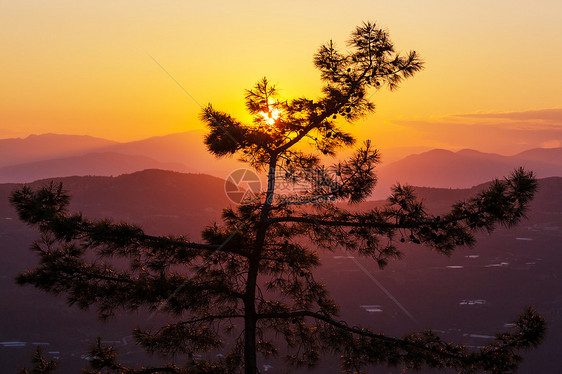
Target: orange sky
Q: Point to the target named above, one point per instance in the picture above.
(85, 67)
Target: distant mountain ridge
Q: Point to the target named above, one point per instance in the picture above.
(186, 150)
(47, 146)
(549, 155)
(98, 163)
(51, 155)
(463, 169)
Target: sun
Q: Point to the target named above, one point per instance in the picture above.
(272, 113)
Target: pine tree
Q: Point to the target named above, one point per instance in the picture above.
(254, 273)
(40, 364)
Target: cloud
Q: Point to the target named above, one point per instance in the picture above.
(505, 132)
(550, 115)
(544, 118)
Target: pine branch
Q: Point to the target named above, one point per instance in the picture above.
(530, 329)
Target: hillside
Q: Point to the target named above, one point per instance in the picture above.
(165, 201)
(509, 270)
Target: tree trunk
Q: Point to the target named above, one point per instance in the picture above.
(250, 354)
(250, 320)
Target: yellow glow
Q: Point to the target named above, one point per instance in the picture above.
(86, 67)
(272, 114)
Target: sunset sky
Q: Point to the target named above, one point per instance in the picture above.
(492, 80)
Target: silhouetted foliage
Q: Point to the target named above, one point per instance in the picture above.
(253, 275)
(40, 364)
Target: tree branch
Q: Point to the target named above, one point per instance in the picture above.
(355, 330)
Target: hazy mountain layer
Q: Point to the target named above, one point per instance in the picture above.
(47, 146)
(463, 169)
(187, 152)
(101, 164)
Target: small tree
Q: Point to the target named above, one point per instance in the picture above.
(254, 273)
(40, 364)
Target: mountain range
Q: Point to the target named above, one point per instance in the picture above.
(48, 146)
(50, 155)
(465, 168)
(98, 163)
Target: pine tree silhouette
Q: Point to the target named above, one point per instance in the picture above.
(254, 272)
